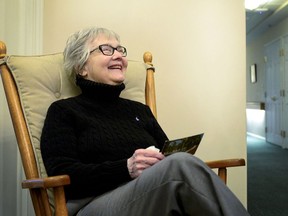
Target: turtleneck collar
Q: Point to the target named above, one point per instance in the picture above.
(99, 91)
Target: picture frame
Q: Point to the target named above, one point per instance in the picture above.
(253, 73)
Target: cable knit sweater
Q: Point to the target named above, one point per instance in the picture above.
(91, 136)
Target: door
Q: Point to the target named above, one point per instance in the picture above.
(285, 91)
(274, 71)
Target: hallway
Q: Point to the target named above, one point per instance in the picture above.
(267, 178)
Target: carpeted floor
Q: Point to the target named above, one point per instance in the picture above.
(267, 166)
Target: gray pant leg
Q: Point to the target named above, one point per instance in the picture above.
(180, 184)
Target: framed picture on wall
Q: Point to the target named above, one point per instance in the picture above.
(253, 73)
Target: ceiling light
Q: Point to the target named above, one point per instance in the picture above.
(253, 4)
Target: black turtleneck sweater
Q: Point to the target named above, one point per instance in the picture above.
(90, 137)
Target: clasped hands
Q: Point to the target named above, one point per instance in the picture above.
(142, 159)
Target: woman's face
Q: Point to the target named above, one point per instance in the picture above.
(102, 68)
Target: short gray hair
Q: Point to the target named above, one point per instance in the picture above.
(77, 48)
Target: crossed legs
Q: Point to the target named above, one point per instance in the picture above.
(181, 184)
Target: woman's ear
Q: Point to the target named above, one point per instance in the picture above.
(83, 72)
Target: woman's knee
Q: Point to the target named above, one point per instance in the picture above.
(183, 157)
(185, 163)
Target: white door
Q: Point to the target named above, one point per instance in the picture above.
(273, 107)
(285, 100)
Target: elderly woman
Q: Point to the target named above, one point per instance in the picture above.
(101, 141)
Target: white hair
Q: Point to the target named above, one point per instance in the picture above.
(77, 50)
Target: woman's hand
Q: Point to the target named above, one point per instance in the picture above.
(141, 160)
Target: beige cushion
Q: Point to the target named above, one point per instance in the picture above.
(42, 80)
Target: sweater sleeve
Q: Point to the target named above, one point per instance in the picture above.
(59, 152)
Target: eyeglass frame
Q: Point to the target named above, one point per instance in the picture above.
(124, 54)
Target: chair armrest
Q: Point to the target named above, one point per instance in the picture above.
(49, 182)
(222, 165)
(38, 186)
(226, 163)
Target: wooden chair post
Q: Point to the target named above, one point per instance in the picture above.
(3, 50)
(38, 191)
(150, 94)
(18, 120)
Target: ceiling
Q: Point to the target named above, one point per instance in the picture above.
(264, 17)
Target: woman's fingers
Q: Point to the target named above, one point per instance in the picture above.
(141, 160)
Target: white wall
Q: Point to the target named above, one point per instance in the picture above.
(199, 54)
(2, 21)
(8, 147)
(21, 31)
(2, 9)
(256, 123)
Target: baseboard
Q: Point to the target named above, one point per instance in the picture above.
(255, 135)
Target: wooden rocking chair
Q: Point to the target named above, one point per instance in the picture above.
(31, 84)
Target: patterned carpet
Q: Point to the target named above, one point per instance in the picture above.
(267, 166)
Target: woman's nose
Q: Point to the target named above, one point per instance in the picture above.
(117, 54)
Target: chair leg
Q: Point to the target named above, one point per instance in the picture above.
(222, 173)
(60, 201)
(40, 208)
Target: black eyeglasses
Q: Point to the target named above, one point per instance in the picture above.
(108, 50)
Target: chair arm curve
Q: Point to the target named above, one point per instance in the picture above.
(49, 182)
(226, 163)
(222, 166)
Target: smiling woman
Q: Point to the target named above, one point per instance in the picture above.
(101, 58)
(108, 65)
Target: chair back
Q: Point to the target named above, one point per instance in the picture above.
(32, 83)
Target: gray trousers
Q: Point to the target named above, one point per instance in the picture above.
(180, 184)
